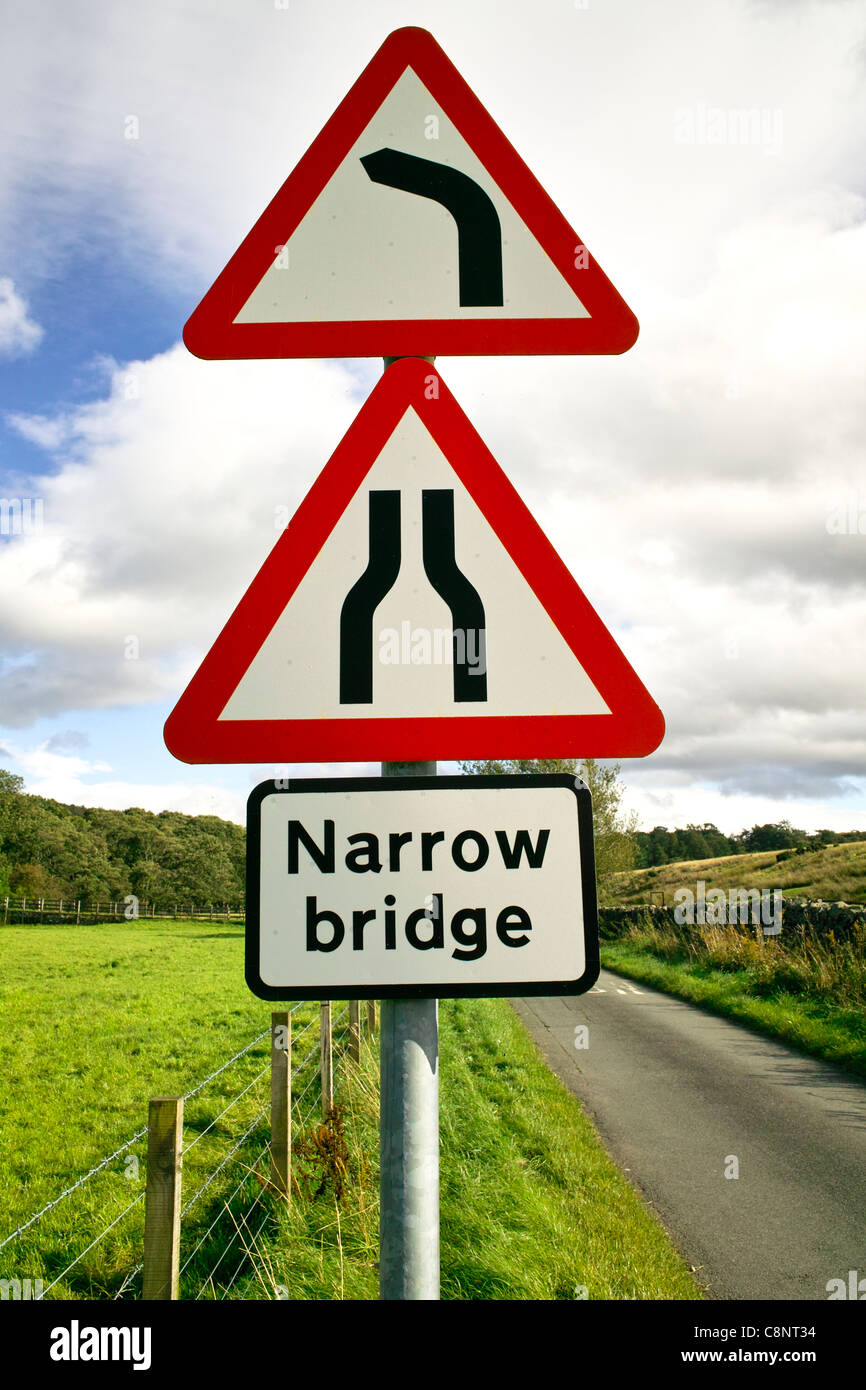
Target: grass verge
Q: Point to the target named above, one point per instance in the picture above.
(531, 1206)
(805, 991)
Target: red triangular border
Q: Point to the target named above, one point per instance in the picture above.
(193, 731)
(212, 333)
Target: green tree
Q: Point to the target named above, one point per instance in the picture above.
(776, 835)
(11, 801)
(614, 831)
(51, 850)
(34, 881)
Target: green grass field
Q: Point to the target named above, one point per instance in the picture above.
(95, 1020)
(836, 873)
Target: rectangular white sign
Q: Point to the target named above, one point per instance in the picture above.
(420, 886)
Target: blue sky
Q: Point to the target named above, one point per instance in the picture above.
(694, 486)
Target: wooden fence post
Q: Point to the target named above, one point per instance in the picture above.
(281, 1102)
(326, 1045)
(162, 1199)
(371, 1016)
(355, 1030)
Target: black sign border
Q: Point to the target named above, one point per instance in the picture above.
(277, 786)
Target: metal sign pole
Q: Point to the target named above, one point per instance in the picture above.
(409, 1128)
(409, 1134)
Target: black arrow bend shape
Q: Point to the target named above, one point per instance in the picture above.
(479, 234)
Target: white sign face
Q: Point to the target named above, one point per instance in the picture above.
(514, 659)
(436, 886)
(412, 609)
(410, 227)
(374, 269)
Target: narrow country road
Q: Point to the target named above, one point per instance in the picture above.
(678, 1095)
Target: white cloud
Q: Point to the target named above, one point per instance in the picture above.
(18, 332)
(688, 485)
(42, 765)
(733, 601)
(166, 501)
(673, 805)
(42, 430)
(62, 780)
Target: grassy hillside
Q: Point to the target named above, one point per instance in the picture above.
(836, 873)
(806, 986)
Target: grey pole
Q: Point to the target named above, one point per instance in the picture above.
(409, 1134)
(409, 1127)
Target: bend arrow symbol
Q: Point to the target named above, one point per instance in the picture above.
(479, 235)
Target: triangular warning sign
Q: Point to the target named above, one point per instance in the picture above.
(413, 609)
(410, 227)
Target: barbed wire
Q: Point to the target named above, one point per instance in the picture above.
(246, 1254)
(69, 1190)
(200, 1087)
(219, 1215)
(228, 1248)
(206, 1184)
(127, 1280)
(311, 1055)
(305, 1029)
(225, 1111)
(209, 1279)
(308, 1114)
(141, 1133)
(103, 1163)
(100, 1237)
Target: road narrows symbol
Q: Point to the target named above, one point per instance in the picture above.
(285, 683)
(479, 233)
(362, 600)
(469, 632)
(468, 629)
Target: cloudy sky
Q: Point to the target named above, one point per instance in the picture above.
(707, 489)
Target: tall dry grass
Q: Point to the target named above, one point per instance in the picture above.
(797, 961)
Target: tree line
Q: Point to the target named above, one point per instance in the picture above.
(619, 845)
(51, 850)
(663, 846)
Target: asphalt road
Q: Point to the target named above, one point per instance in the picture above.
(676, 1094)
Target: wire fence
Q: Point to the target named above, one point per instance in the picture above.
(87, 1242)
(129, 908)
(222, 1253)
